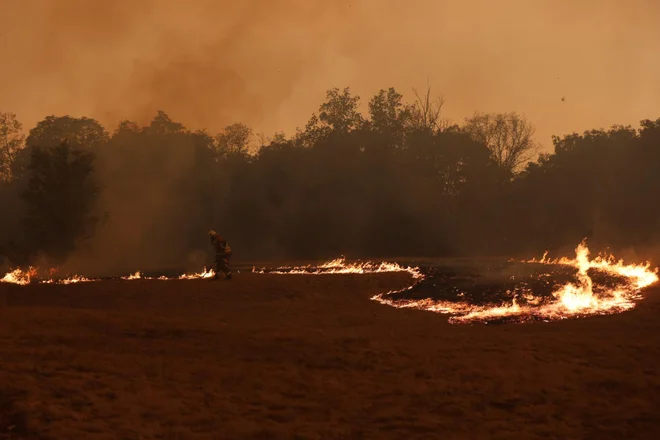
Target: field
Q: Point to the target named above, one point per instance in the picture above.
(311, 357)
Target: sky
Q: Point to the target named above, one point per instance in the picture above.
(209, 63)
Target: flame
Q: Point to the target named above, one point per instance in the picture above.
(340, 266)
(71, 280)
(136, 276)
(188, 276)
(18, 276)
(570, 300)
(23, 278)
(203, 274)
(76, 279)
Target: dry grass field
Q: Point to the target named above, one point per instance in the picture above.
(311, 357)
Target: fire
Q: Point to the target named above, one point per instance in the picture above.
(76, 279)
(570, 300)
(71, 280)
(187, 276)
(19, 276)
(340, 266)
(23, 278)
(203, 274)
(136, 276)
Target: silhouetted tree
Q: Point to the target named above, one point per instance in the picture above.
(53, 130)
(60, 198)
(509, 136)
(337, 116)
(399, 182)
(77, 132)
(162, 125)
(389, 117)
(340, 111)
(387, 112)
(426, 112)
(234, 140)
(11, 142)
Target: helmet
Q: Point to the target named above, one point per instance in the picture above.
(212, 233)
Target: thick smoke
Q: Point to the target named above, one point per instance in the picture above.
(268, 64)
(568, 66)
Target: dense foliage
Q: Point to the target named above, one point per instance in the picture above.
(398, 181)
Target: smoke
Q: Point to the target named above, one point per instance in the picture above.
(568, 66)
(209, 63)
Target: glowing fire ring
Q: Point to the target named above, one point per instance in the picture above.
(571, 300)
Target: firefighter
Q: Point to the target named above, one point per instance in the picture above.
(222, 254)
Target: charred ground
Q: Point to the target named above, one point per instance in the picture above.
(498, 283)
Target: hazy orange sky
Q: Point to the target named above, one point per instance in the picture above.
(268, 63)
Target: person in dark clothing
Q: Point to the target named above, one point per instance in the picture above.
(223, 253)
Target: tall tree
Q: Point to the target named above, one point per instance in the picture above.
(426, 112)
(77, 132)
(340, 110)
(388, 113)
(234, 140)
(338, 115)
(60, 197)
(509, 136)
(389, 116)
(11, 142)
(163, 125)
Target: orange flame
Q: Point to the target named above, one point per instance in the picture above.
(18, 276)
(23, 278)
(136, 276)
(188, 276)
(71, 280)
(571, 299)
(203, 274)
(340, 266)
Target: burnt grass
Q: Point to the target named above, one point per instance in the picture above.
(311, 357)
(496, 284)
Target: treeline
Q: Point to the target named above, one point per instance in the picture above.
(398, 181)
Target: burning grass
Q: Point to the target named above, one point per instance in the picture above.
(523, 291)
(31, 276)
(341, 266)
(562, 288)
(544, 290)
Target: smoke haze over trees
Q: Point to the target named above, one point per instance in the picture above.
(209, 63)
(395, 181)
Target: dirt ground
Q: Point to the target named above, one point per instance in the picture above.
(311, 357)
